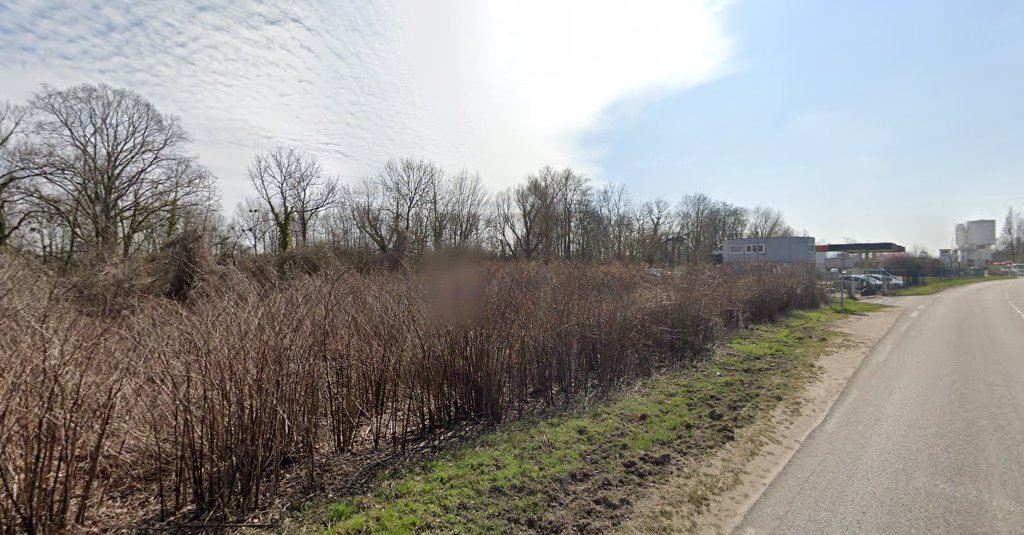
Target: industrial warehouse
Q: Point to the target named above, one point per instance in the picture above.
(877, 267)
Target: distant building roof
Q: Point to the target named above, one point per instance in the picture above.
(877, 247)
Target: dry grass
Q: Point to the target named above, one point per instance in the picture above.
(163, 410)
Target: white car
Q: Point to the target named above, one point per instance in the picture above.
(876, 279)
(884, 276)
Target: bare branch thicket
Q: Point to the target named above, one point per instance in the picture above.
(175, 412)
(61, 392)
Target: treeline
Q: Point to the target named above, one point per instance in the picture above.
(1011, 239)
(94, 171)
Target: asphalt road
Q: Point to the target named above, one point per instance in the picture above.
(927, 437)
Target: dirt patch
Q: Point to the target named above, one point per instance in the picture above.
(711, 495)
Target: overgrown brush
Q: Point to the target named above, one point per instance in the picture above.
(198, 408)
(62, 383)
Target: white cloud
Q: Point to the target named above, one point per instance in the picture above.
(503, 87)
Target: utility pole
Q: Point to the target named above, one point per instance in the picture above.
(842, 281)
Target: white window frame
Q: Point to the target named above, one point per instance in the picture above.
(755, 248)
(735, 249)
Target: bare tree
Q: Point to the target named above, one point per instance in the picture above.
(11, 119)
(405, 200)
(291, 184)
(367, 206)
(1018, 238)
(189, 201)
(109, 163)
(654, 224)
(253, 223)
(313, 196)
(615, 209)
(1012, 240)
(694, 216)
(572, 190)
(437, 212)
(1008, 240)
(767, 222)
(526, 216)
(406, 185)
(467, 197)
(15, 168)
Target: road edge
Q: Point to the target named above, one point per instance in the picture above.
(723, 488)
(867, 342)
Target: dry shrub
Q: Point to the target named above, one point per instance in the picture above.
(207, 405)
(109, 290)
(189, 262)
(63, 376)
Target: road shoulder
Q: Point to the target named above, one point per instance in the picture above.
(713, 494)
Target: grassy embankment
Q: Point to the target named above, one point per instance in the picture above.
(937, 285)
(578, 470)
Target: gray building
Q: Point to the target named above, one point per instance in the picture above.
(795, 249)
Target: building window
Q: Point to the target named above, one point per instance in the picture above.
(755, 248)
(735, 249)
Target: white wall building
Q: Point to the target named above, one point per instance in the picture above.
(974, 242)
(790, 249)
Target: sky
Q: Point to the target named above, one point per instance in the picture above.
(866, 120)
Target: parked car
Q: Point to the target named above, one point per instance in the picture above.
(858, 282)
(892, 280)
(1008, 270)
(877, 280)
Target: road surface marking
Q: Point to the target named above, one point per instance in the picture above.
(1006, 296)
(915, 313)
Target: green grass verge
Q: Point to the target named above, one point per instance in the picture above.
(532, 473)
(942, 284)
(856, 308)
